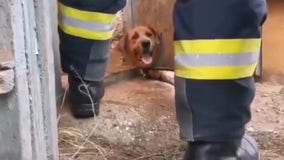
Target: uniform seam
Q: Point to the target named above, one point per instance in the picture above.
(190, 109)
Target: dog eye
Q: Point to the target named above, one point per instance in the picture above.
(148, 34)
(135, 36)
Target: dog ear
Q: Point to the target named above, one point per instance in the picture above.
(157, 34)
(122, 47)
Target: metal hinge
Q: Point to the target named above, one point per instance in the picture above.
(7, 77)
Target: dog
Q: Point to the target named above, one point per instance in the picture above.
(142, 47)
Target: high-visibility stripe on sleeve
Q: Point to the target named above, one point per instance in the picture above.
(224, 46)
(86, 24)
(216, 59)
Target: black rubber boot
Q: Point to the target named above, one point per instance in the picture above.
(245, 149)
(80, 94)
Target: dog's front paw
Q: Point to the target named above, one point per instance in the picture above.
(168, 76)
(162, 75)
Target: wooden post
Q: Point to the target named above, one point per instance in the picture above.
(130, 15)
(28, 128)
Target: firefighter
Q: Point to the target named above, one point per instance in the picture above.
(217, 46)
(85, 31)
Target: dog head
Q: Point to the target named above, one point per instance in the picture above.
(140, 46)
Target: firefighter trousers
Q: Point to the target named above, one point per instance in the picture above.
(218, 109)
(81, 50)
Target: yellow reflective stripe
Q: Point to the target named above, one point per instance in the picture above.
(86, 15)
(221, 46)
(83, 33)
(215, 73)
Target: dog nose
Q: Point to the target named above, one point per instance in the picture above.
(146, 44)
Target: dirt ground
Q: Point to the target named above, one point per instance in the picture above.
(138, 122)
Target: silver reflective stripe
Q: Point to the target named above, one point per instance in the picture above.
(205, 60)
(92, 26)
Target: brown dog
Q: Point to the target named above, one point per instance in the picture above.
(142, 47)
